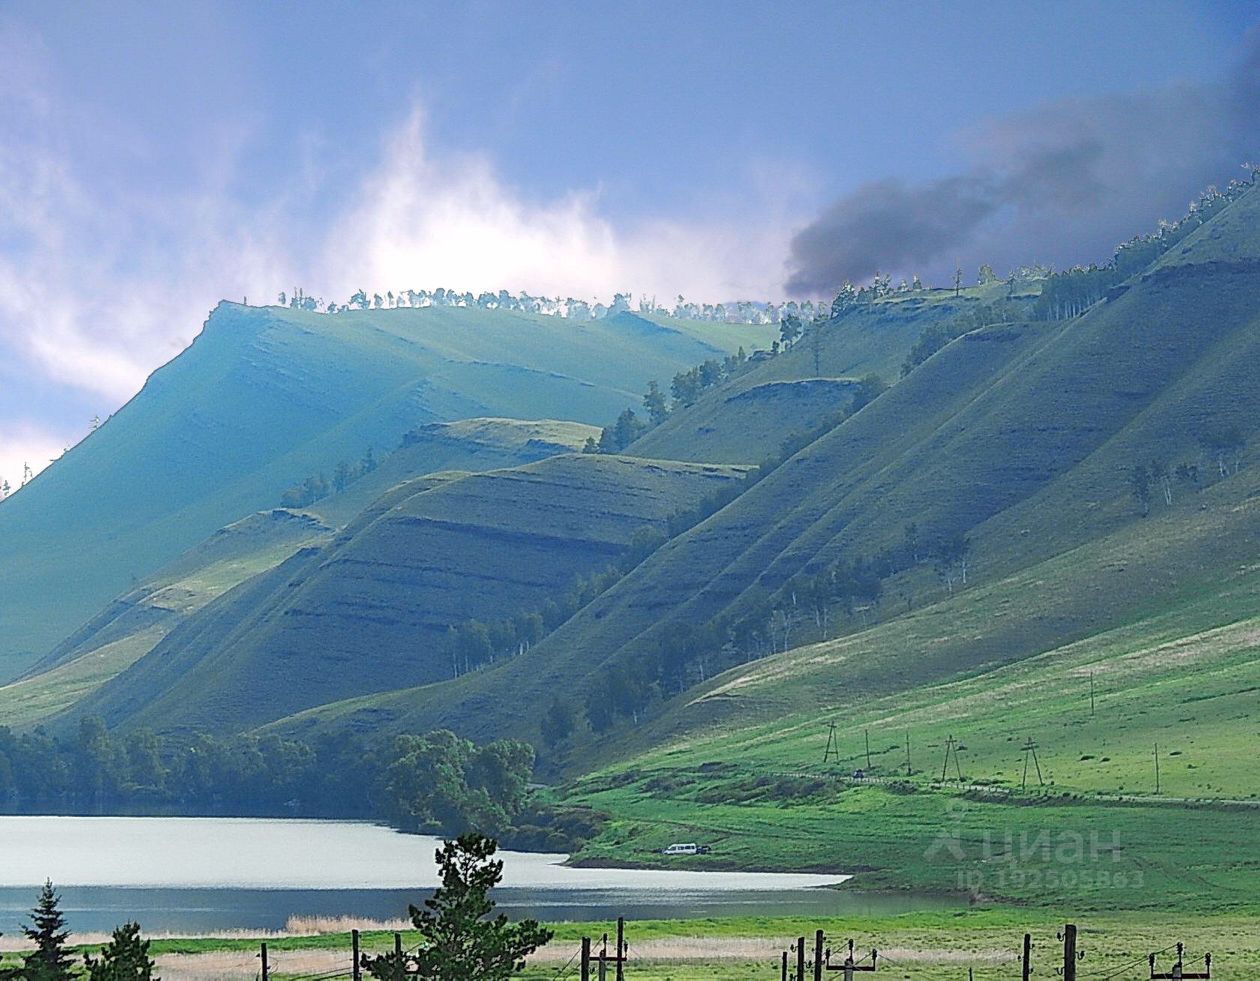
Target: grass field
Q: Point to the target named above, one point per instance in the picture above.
(917, 947)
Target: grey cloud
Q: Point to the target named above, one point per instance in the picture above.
(1061, 183)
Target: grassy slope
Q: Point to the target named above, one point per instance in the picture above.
(467, 445)
(744, 425)
(369, 611)
(137, 621)
(747, 418)
(1002, 434)
(1178, 678)
(677, 578)
(267, 396)
(133, 624)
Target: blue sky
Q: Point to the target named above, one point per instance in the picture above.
(157, 157)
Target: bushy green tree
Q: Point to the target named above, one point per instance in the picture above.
(459, 940)
(654, 404)
(124, 958)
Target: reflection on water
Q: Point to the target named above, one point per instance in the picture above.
(100, 908)
(198, 874)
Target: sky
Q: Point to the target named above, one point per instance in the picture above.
(156, 158)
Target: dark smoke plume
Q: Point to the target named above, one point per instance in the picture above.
(1063, 183)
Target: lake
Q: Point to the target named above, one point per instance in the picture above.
(201, 874)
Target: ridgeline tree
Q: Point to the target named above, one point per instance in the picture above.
(459, 940)
(654, 404)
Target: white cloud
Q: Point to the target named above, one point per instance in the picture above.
(26, 443)
(101, 284)
(423, 220)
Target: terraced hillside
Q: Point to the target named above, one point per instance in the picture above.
(737, 424)
(137, 621)
(370, 610)
(1023, 437)
(268, 396)
(133, 624)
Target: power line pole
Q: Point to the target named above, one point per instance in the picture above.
(867, 733)
(833, 744)
(1030, 749)
(1179, 969)
(909, 771)
(1157, 768)
(850, 965)
(951, 746)
(621, 948)
(1091, 693)
(1070, 956)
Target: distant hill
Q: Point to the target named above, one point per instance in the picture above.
(266, 397)
(370, 610)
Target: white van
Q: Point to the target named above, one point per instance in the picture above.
(686, 849)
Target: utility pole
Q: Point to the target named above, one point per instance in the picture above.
(851, 966)
(621, 948)
(1069, 952)
(867, 733)
(1157, 768)
(909, 771)
(1179, 969)
(1027, 972)
(951, 746)
(356, 973)
(1091, 693)
(1030, 749)
(617, 959)
(833, 744)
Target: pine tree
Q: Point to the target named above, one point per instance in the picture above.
(124, 958)
(459, 941)
(50, 960)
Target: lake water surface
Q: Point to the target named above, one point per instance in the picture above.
(195, 874)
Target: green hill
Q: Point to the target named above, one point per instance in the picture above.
(371, 610)
(268, 396)
(737, 424)
(133, 624)
(1023, 437)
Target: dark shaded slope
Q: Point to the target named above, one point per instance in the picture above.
(369, 612)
